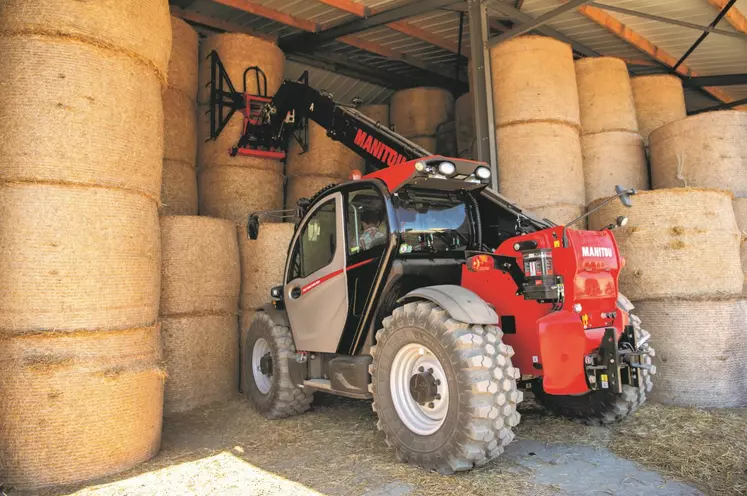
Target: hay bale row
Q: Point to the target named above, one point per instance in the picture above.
(183, 62)
(464, 111)
(78, 405)
(701, 351)
(659, 99)
(560, 213)
(612, 158)
(262, 262)
(605, 96)
(323, 156)
(666, 240)
(179, 127)
(235, 192)
(306, 186)
(178, 189)
(707, 150)
(740, 212)
(417, 112)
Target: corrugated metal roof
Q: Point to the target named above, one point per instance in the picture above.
(343, 88)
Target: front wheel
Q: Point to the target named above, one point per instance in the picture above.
(444, 391)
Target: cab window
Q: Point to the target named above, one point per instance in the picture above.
(317, 243)
(366, 221)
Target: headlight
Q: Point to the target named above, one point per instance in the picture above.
(482, 173)
(446, 169)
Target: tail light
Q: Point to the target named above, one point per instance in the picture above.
(480, 263)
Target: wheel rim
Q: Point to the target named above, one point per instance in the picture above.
(263, 381)
(416, 364)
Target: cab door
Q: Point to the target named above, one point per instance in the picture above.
(316, 287)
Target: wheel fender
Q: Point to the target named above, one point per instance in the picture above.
(460, 303)
(277, 316)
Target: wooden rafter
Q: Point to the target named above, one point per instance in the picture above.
(355, 8)
(268, 13)
(734, 16)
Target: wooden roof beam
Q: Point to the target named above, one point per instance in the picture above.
(355, 8)
(733, 16)
(272, 14)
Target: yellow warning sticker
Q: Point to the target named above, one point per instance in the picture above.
(556, 243)
(604, 377)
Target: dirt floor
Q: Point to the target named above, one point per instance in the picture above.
(335, 449)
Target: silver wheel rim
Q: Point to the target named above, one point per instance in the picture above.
(263, 381)
(420, 419)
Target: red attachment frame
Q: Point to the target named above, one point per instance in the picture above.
(254, 105)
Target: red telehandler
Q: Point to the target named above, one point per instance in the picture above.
(419, 287)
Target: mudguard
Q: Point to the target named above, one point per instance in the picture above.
(277, 316)
(460, 303)
(563, 345)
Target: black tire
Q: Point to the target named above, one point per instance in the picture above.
(481, 380)
(603, 407)
(284, 399)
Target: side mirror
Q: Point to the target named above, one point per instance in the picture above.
(625, 195)
(252, 227)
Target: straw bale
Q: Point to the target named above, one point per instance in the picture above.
(604, 95)
(178, 189)
(234, 192)
(323, 157)
(138, 27)
(419, 111)
(612, 158)
(262, 262)
(706, 150)
(659, 99)
(179, 127)
(446, 143)
(182, 73)
(561, 213)
(430, 143)
(678, 243)
(306, 186)
(701, 351)
(78, 406)
(378, 112)
(97, 119)
(238, 52)
(534, 80)
(465, 125)
(740, 212)
(540, 164)
(201, 356)
(200, 271)
(77, 258)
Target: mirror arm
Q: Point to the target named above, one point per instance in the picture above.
(631, 191)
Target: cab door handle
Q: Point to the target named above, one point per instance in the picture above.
(295, 293)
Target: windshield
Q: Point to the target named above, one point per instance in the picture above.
(432, 223)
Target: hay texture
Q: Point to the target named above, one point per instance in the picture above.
(561, 214)
(429, 143)
(377, 112)
(534, 79)
(182, 74)
(306, 186)
(77, 258)
(262, 262)
(530, 171)
(604, 95)
(740, 212)
(139, 28)
(178, 189)
(201, 271)
(78, 406)
(659, 100)
(238, 52)
(179, 127)
(446, 143)
(201, 356)
(323, 157)
(465, 126)
(419, 111)
(87, 115)
(678, 243)
(235, 192)
(701, 351)
(707, 150)
(612, 158)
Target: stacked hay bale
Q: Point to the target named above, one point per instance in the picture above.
(80, 374)
(537, 126)
(613, 151)
(416, 114)
(740, 211)
(659, 99)
(378, 112)
(232, 187)
(687, 295)
(465, 126)
(199, 303)
(179, 184)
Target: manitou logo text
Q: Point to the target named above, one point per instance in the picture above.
(596, 251)
(378, 149)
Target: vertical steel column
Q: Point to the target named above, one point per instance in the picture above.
(481, 88)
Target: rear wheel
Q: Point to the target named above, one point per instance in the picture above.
(444, 391)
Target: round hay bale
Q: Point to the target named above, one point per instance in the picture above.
(183, 63)
(235, 192)
(80, 405)
(740, 212)
(262, 262)
(379, 113)
(561, 214)
(89, 116)
(529, 158)
(201, 356)
(659, 99)
(419, 111)
(178, 189)
(306, 186)
(140, 28)
(430, 143)
(238, 52)
(323, 157)
(707, 150)
(446, 143)
(465, 125)
(200, 269)
(701, 351)
(179, 127)
(666, 240)
(612, 158)
(534, 80)
(604, 95)
(77, 258)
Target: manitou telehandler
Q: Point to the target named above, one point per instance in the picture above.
(422, 289)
